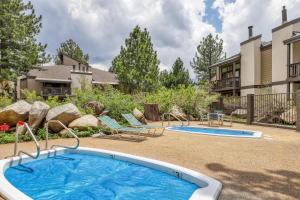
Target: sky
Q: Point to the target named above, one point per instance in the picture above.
(176, 27)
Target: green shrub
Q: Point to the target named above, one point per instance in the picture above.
(53, 101)
(5, 100)
(113, 100)
(165, 98)
(87, 133)
(193, 100)
(6, 138)
(31, 96)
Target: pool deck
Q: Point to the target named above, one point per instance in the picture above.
(250, 169)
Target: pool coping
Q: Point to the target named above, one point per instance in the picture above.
(256, 134)
(209, 188)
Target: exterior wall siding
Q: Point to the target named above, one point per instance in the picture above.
(251, 63)
(79, 78)
(266, 66)
(279, 53)
(296, 52)
(34, 85)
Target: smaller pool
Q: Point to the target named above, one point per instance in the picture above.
(216, 131)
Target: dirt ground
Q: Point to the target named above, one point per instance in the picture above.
(250, 169)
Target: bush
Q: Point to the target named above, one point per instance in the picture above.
(193, 100)
(31, 96)
(6, 138)
(113, 100)
(54, 101)
(5, 100)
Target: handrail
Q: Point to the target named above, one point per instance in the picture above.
(169, 116)
(69, 130)
(16, 152)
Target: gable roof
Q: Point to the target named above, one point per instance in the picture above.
(231, 59)
(62, 73)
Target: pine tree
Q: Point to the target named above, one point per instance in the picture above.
(137, 65)
(19, 49)
(209, 51)
(177, 76)
(71, 49)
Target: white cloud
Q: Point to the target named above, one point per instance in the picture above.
(263, 15)
(100, 26)
(176, 27)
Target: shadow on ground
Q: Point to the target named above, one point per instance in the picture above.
(247, 185)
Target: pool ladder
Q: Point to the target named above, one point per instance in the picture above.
(66, 128)
(18, 152)
(172, 115)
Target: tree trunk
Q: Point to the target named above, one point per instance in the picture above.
(152, 112)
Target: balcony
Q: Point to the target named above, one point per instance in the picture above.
(294, 70)
(56, 91)
(226, 84)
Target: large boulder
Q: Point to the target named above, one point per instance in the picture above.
(96, 106)
(84, 122)
(241, 113)
(65, 113)
(15, 112)
(37, 114)
(177, 112)
(139, 115)
(289, 116)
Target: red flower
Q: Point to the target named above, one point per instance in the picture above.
(4, 127)
(20, 123)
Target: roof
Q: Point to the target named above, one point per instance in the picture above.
(251, 39)
(266, 45)
(286, 24)
(227, 60)
(62, 73)
(103, 77)
(294, 38)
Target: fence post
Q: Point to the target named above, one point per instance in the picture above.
(221, 103)
(298, 110)
(250, 108)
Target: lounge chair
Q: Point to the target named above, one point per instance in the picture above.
(117, 128)
(137, 124)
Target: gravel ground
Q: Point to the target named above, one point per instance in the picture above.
(250, 169)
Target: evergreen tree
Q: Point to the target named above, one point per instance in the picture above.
(71, 49)
(19, 49)
(137, 65)
(177, 76)
(209, 51)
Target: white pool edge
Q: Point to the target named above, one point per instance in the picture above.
(256, 134)
(210, 188)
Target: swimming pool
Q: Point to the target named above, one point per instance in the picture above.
(216, 131)
(88, 173)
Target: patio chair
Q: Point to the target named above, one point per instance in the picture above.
(137, 124)
(117, 128)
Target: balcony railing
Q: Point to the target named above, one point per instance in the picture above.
(228, 83)
(294, 70)
(56, 91)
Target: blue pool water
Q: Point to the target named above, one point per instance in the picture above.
(213, 131)
(84, 177)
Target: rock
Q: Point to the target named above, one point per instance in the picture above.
(15, 112)
(63, 132)
(64, 113)
(96, 106)
(37, 114)
(84, 122)
(242, 113)
(289, 116)
(139, 115)
(177, 112)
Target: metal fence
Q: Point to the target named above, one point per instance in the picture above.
(236, 107)
(279, 109)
